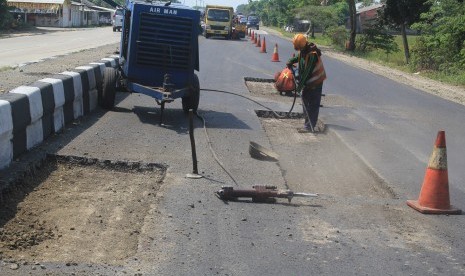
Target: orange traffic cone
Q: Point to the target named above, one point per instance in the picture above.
(434, 194)
(252, 38)
(258, 42)
(275, 57)
(263, 49)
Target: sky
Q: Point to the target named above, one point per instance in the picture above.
(232, 3)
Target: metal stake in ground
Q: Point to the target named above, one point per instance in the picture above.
(195, 172)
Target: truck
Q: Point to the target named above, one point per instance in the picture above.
(218, 21)
(253, 21)
(159, 52)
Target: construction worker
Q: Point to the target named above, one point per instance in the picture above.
(310, 80)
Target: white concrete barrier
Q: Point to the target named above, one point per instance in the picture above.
(6, 134)
(29, 114)
(59, 97)
(34, 131)
(78, 103)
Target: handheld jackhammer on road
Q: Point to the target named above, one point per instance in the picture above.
(260, 193)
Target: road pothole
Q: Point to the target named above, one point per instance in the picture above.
(78, 210)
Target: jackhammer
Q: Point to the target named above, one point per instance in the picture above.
(260, 193)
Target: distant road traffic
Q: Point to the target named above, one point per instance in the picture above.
(20, 50)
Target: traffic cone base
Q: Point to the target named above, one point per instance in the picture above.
(426, 210)
(434, 194)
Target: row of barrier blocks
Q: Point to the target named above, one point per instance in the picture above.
(31, 113)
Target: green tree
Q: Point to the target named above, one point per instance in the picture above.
(321, 17)
(404, 13)
(442, 43)
(376, 36)
(242, 9)
(353, 24)
(5, 16)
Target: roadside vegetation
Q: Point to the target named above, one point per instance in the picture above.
(5, 16)
(426, 37)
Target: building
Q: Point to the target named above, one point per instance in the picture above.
(59, 13)
(367, 14)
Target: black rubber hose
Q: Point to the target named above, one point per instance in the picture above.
(252, 100)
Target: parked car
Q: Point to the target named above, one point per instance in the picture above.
(117, 21)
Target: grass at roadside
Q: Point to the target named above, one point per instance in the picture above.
(394, 60)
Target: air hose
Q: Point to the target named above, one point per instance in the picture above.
(252, 100)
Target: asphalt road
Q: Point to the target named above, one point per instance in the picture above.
(371, 159)
(52, 42)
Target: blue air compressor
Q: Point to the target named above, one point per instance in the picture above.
(159, 52)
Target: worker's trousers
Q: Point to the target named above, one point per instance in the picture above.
(311, 99)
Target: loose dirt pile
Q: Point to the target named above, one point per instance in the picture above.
(73, 212)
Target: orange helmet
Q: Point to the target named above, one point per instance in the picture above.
(299, 41)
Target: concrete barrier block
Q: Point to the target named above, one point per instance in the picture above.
(6, 119)
(58, 91)
(19, 142)
(48, 99)
(68, 86)
(93, 99)
(34, 131)
(6, 150)
(47, 125)
(20, 110)
(111, 60)
(90, 95)
(116, 57)
(101, 66)
(68, 107)
(78, 108)
(58, 119)
(91, 76)
(6, 134)
(59, 97)
(84, 75)
(35, 100)
(77, 83)
(35, 134)
(106, 62)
